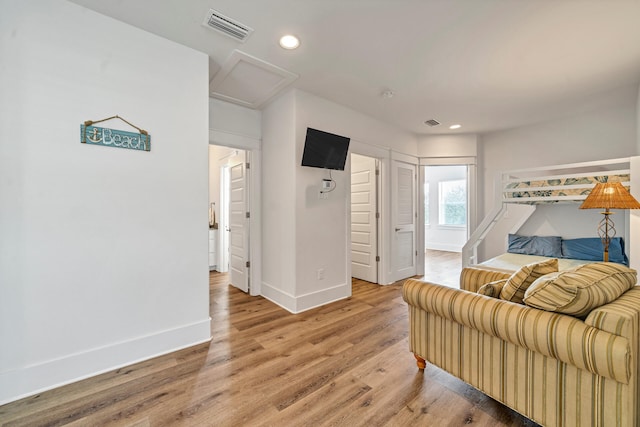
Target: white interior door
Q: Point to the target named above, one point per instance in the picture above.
(404, 218)
(364, 240)
(238, 222)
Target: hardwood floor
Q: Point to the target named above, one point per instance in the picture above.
(344, 364)
(443, 267)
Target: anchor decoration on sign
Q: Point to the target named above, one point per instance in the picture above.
(94, 135)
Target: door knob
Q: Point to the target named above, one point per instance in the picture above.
(397, 229)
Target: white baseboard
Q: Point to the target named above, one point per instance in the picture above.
(33, 379)
(278, 297)
(298, 304)
(322, 297)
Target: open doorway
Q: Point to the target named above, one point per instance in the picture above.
(364, 218)
(446, 219)
(229, 190)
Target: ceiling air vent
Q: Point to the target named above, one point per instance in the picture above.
(432, 122)
(227, 26)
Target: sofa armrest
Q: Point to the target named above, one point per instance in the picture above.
(562, 337)
(472, 278)
(619, 317)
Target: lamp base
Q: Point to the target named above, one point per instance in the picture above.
(606, 231)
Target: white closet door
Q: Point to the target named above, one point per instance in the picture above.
(404, 218)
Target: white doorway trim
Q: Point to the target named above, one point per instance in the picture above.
(254, 154)
(472, 196)
(472, 176)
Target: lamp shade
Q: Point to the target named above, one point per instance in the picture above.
(610, 195)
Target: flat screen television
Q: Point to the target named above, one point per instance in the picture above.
(325, 150)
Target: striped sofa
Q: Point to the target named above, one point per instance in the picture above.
(555, 369)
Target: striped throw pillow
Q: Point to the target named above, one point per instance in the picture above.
(519, 281)
(492, 289)
(578, 291)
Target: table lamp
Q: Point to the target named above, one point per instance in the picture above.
(609, 195)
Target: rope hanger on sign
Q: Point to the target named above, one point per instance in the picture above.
(92, 122)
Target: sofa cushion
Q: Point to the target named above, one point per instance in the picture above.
(578, 291)
(492, 289)
(515, 287)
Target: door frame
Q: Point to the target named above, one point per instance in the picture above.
(472, 194)
(254, 156)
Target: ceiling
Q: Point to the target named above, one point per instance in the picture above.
(485, 64)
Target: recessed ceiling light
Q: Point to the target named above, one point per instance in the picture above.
(289, 42)
(455, 127)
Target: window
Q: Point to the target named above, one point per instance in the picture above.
(452, 203)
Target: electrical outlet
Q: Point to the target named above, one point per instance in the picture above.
(320, 274)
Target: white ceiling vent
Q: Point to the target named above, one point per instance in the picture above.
(432, 122)
(227, 26)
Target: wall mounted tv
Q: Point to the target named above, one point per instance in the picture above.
(325, 150)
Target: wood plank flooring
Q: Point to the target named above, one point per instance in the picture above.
(344, 364)
(443, 267)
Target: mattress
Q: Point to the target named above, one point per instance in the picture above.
(512, 262)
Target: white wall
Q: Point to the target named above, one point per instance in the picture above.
(568, 221)
(317, 229)
(457, 145)
(279, 161)
(103, 255)
(234, 126)
(322, 235)
(595, 135)
(633, 244)
(638, 123)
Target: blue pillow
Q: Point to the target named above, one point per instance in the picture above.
(550, 246)
(590, 249)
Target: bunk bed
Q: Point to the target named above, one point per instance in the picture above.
(560, 184)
